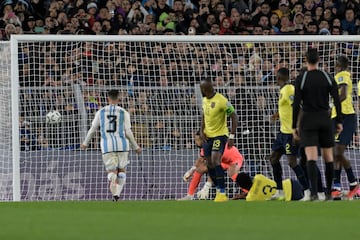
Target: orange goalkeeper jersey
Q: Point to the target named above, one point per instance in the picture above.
(230, 157)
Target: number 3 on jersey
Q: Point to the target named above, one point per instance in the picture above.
(112, 123)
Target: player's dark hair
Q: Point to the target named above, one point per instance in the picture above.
(243, 180)
(312, 56)
(113, 94)
(284, 74)
(342, 62)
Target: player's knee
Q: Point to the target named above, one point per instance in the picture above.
(201, 169)
(274, 158)
(111, 176)
(121, 176)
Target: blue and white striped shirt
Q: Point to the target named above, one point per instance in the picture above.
(115, 130)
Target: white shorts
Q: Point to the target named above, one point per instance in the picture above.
(115, 160)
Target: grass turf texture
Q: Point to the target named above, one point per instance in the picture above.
(174, 220)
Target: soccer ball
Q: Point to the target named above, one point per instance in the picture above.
(53, 117)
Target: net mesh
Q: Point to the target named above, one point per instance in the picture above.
(158, 84)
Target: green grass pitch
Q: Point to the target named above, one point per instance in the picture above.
(175, 220)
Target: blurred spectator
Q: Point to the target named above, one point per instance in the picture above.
(312, 28)
(284, 9)
(27, 138)
(264, 21)
(335, 30)
(265, 10)
(298, 20)
(348, 24)
(319, 12)
(165, 22)
(246, 21)
(235, 20)
(275, 22)
(177, 16)
(9, 30)
(226, 27)
(298, 8)
(309, 5)
(286, 25)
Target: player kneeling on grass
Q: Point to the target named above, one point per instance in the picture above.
(262, 188)
(231, 160)
(116, 139)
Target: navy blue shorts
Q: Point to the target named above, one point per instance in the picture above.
(284, 144)
(349, 128)
(216, 144)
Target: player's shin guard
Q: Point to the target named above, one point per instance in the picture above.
(195, 180)
(220, 178)
(319, 180)
(337, 176)
(212, 174)
(329, 175)
(350, 175)
(301, 177)
(277, 171)
(121, 182)
(312, 173)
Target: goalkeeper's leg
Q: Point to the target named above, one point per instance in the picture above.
(195, 180)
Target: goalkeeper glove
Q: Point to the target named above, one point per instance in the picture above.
(189, 173)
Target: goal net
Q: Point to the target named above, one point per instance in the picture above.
(158, 78)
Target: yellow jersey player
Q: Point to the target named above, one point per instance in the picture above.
(284, 141)
(215, 134)
(262, 188)
(231, 161)
(342, 140)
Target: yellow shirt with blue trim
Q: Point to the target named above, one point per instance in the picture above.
(344, 77)
(216, 110)
(262, 189)
(286, 100)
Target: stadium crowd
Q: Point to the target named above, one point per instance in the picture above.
(157, 66)
(185, 17)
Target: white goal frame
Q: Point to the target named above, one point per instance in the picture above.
(15, 39)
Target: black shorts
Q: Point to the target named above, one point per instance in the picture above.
(316, 129)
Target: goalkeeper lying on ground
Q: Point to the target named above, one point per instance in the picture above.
(232, 161)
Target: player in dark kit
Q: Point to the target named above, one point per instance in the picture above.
(312, 90)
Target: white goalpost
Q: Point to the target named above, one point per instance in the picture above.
(158, 78)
